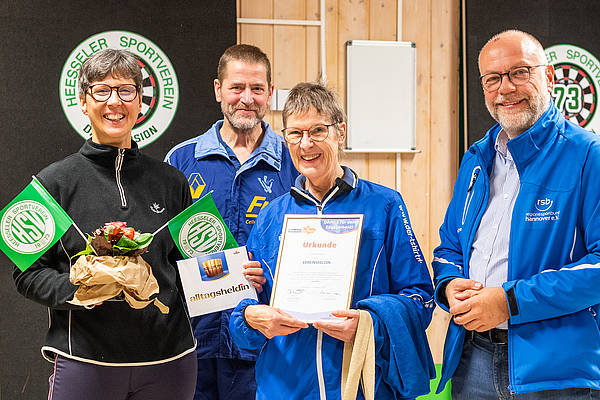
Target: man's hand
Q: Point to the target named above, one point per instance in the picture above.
(272, 321)
(459, 289)
(342, 330)
(253, 273)
(483, 310)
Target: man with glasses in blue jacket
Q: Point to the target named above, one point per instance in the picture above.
(246, 165)
(519, 261)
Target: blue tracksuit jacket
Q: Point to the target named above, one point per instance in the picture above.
(240, 191)
(392, 283)
(554, 254)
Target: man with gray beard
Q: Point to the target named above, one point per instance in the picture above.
(246, 165)
(519, 259)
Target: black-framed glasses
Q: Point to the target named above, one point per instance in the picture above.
(317, 133)
(102, 92)
(516, 75)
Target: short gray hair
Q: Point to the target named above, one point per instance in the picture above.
(307, 95)
(116, 63)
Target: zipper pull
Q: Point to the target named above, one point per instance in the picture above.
(118, 166)
(473, 178)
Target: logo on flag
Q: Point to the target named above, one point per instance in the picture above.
(27, 227)
(30, 224)
(202, 233)
(199, 229)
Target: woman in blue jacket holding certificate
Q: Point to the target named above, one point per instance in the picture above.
(302, 361)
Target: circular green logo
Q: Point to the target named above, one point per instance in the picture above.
(27, 227)
(160, 90)
(202, 233)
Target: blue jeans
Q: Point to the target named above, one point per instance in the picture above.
(482, 374)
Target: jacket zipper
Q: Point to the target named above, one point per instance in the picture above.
(118, 167)
(319, 361)
(470, 194)
(511, 357)
(319, 346)
(321, 205)
(480, 210)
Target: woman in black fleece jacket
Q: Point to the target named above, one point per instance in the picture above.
(113, 351)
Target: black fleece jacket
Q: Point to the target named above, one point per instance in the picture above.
(100, 184)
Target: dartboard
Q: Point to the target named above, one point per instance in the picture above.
(574, 93)
(149, 94)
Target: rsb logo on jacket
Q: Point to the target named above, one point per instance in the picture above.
(543, 211)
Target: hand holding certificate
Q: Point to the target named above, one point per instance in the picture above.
(272, 321)
(316, 265)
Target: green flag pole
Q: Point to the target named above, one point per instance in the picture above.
(167, 223)
(74, 224)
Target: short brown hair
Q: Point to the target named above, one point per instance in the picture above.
(246, 53)
(113, 62)
(305, 95)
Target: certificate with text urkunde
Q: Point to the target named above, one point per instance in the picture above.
(316, 265)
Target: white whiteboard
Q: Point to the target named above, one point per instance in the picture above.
(381, 96)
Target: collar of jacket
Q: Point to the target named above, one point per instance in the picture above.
(345, 184)
(269, 149)
(105, 155)
(525, 146)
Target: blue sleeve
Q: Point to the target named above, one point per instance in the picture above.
(573, 287)
(447, 261)
(263, 243)
(243, 335)
(407, 268)
(403, 358)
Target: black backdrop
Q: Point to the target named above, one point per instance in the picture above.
(551, 22)
(36, 37)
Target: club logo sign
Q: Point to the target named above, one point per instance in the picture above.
(202, 233)
(160, 88)
(576, 84)
(27, 227)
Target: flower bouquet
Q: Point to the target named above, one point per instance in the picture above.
(111, 267)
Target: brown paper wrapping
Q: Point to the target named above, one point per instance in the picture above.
(103, 277)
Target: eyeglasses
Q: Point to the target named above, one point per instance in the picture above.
(317, 133)
(102, 92)
(516, 75)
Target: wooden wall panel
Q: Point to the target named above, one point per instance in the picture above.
(289, 49)
(427, 177)
(383, 16)
(416, 27)
(382, 26)
(444, 135)
(332, 53)
(353, 24)
(313, 42)
(259, 35)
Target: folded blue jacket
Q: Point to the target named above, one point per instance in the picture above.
(403, 360)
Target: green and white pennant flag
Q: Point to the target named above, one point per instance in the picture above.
(200, 229)
(31, 224)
